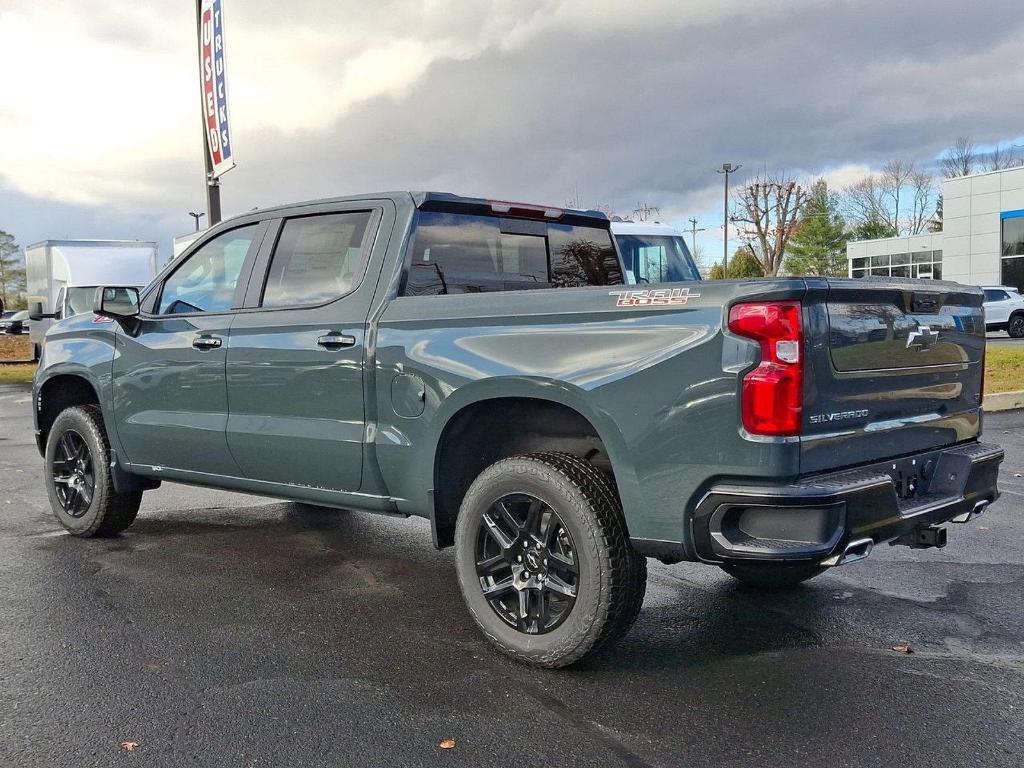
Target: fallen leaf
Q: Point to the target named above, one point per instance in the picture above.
(128, 746)
(447, 744)
(902, 648)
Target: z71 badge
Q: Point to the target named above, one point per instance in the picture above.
(658, 297)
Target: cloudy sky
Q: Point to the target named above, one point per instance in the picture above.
(524, 99)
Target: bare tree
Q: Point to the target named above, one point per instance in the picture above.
(1000, 159)
(960, 159)
(866, 206)
(645, 212)
(769, 208)
(895, 175)
(878, 205)
(922, 185)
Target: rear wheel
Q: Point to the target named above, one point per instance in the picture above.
(79, 482)
(772, 576)
(543, 559)
(1016, 326)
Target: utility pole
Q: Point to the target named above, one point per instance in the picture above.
(726, 169)
(212, 184)
(693, 238)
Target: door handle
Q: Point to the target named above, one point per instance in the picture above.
(335, 340)
(206, 342)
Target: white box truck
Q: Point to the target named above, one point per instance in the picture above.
(63, 274)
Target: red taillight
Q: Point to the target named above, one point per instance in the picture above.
(772, 396)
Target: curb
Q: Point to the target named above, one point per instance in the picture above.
(1003, 401)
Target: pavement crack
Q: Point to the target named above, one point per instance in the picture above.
(594, 730)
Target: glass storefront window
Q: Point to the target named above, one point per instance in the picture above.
(1013, 234)
(923, 265)
(1013, 272)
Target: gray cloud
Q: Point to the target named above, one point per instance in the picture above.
(644, 111)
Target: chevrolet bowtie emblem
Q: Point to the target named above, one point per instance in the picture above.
(922, 339)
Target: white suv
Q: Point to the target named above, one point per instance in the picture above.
(1004, 310)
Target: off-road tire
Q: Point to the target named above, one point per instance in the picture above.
(109, 512)
(771, 577)
(612, 576)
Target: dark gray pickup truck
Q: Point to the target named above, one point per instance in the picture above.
(508, 372)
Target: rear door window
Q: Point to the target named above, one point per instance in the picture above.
(317, 259)
(463, 253)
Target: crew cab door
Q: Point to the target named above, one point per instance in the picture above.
(295, 365)
(170, 400)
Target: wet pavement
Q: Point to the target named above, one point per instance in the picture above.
(228, 630)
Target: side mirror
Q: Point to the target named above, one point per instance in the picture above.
(119, 303)
(35, 312)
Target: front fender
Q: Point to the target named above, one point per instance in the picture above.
(83, 348)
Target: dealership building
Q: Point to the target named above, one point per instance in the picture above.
(981, 242)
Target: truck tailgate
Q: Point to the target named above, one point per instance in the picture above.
(894, 367)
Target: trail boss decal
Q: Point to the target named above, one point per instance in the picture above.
(659, 297)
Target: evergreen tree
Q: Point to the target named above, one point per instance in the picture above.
(818, 246)
(936, 223)
(742, 264)
(12, 274)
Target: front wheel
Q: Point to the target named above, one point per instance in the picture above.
(772, 576)
(1016, 326)
(79, 481)
(544, 561)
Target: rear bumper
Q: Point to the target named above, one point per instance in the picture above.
(822, 517)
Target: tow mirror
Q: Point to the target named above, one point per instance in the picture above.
(35, 312)
(117, 302)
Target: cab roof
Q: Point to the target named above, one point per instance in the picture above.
(446, 201)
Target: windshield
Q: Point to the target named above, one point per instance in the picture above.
(79, 300)
(656, 259)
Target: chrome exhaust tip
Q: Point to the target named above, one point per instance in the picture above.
(966, 517)
(854, 551)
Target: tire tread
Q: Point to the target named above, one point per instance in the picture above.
(624, 572)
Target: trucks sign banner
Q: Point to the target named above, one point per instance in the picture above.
(214, 82)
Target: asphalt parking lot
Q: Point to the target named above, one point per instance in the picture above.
(225, 630)
(1002, 339)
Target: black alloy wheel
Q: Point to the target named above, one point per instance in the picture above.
(526, 563)
(79, 477)
(73, 474)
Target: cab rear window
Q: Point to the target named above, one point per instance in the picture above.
(464, 253)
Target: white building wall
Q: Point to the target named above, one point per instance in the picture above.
(971, 241)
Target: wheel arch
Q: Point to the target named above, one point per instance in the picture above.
(58, 392)
(494, 421)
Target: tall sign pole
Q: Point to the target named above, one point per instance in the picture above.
(217, 147)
